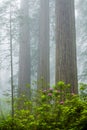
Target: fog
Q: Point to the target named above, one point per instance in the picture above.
(34, 17)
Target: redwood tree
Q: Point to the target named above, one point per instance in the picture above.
(24, 52)
(43, 47)
(66, 66)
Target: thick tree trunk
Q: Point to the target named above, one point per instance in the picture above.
(66, 67)
(43, 65)
(24, 52)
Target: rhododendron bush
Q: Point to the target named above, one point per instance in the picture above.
(56, 108)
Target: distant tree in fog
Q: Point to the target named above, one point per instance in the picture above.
(43, 47)
(24, 52)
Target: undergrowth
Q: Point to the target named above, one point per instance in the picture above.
(50, 109)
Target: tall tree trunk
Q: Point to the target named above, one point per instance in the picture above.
(66, 67)
(43, 65)
(11, 62)
(24, 52)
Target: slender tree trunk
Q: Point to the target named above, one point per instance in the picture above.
(43, 65)
(11, 56)
(66, 66)
(24, 52)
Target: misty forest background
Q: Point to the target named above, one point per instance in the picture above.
(12, 15)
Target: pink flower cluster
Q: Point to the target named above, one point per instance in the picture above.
(51, 89)
(62, 102)
(49, 94)
(44, 91)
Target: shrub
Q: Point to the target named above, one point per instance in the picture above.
(51, 109)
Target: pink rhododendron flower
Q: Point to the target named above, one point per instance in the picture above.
(51, 89)
(49, 94)
(62, 102)
(44, 91)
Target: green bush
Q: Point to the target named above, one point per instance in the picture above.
(52, 109)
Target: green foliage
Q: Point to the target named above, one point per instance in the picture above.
(51, 109)
(83, 91)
